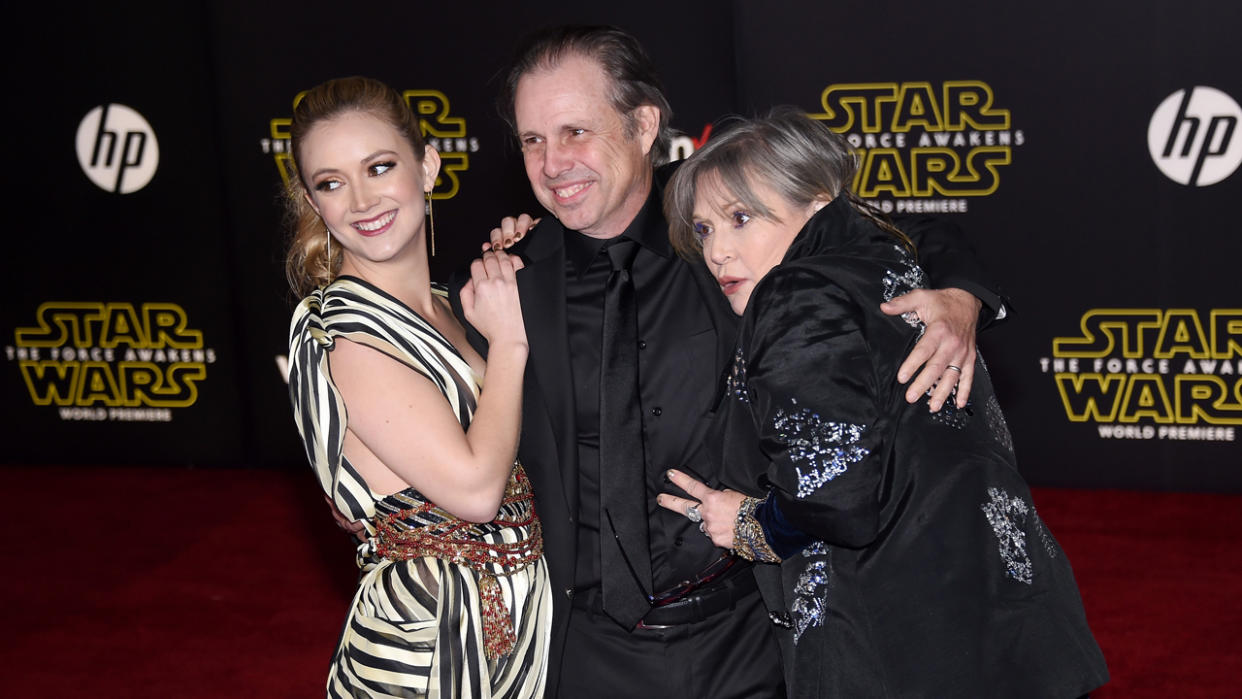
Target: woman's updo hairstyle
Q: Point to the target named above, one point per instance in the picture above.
(307, 262)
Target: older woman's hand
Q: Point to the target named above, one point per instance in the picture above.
(717, 508)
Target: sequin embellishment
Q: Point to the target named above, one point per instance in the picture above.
(819, 450)
(1045, 536)
(735, 382)
(817, 548)
(810, 604)
(897, 284)
(996, 422)
(950, 415)
(1007, 515)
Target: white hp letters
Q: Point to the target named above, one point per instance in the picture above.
(117, 148)
(1191, 136)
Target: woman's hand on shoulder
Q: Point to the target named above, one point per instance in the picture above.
(511, 230)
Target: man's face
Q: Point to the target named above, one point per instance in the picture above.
(582, 165)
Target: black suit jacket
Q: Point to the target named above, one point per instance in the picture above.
(548, 449)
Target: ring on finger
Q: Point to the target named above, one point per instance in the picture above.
(958, 369)
(703, 527)
(692, 514)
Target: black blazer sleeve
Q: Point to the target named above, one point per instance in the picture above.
(950, 261)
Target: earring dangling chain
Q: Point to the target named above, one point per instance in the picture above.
(328, 268)
(431, 216)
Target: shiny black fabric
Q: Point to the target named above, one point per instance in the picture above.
(935, 576)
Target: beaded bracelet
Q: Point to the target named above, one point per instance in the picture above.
(748, 539)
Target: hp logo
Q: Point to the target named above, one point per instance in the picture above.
(1191, 136)
(117, 149)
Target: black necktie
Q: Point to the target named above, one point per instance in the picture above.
(625, 558)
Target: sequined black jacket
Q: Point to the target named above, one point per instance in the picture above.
(930, 572)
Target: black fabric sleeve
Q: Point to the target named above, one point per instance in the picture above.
(812, 383)
(950, 261)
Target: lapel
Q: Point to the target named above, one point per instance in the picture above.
(718, 307)
(542, 288)
(722, 317)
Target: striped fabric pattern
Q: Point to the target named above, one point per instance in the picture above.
(413, 628)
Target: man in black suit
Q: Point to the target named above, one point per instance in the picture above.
(643, 607)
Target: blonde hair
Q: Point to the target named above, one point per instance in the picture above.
(308, 264)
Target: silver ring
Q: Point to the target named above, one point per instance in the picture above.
(958, 369)
(692, 514)
(703, 527)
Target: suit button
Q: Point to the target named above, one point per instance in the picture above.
(569, 592)
(657, 411)
(642, 344)
(677, 541)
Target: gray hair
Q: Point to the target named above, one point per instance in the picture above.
(796, 156)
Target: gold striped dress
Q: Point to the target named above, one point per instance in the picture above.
(444, 608)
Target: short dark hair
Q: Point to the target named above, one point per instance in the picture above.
(629, 68)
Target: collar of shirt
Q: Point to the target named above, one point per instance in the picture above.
(581, 249)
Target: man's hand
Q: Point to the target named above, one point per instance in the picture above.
(356, 528)
(510, 231)
(946, 352)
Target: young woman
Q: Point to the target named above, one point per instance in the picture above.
(398, 423)
(907, 556)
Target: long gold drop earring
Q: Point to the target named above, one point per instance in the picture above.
(431, 217)
(328, 249)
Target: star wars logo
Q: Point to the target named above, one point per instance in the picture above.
(445, 133)
(1150, 373)
(923, 147)
(111, 361)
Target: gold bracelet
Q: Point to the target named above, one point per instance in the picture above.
(748, 539)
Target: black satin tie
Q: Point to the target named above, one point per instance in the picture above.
(625, 557)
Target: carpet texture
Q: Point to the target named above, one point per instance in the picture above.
(160, 582)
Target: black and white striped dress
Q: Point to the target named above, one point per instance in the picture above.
(414, 627)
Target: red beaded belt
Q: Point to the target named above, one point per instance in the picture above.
(459, 542)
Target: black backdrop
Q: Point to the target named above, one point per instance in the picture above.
(148, 326)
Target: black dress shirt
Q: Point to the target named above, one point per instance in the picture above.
(677, 387)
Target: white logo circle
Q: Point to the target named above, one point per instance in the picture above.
(1193, 136)
(117, 148)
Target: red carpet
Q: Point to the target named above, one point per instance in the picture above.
(233, 583)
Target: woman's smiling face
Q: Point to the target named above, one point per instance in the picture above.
(364, 179)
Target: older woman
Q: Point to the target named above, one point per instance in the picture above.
(907, 556)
